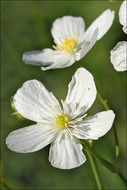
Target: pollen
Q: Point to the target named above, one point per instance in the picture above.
(68, 45)
(62, 120)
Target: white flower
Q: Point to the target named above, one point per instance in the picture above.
(72, 41)
(123, 15)
(118, 56)
(61, 126)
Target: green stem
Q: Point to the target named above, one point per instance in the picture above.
(103, 101)
(113, 168)
(122, 177)
(106, 106)
(94, 168)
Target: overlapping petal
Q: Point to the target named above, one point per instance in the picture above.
(67, 27)
(66, 152)
(32, 138)
(60, 60)
(103, 23)
(48, 59)
(81, 93)
(33, 101)
(123, 15)
(118, 56)
(95, 126)
(88, 44)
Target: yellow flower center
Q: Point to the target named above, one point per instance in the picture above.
(68, 45)
(62, 120)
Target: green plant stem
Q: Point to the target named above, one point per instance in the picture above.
(103, 101)
(113, 168)
(106, 106)
(94, 168)
(122, 177)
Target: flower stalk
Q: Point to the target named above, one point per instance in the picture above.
(94, 169)
(112, 167)
(106, 106)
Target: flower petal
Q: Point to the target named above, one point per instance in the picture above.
(33, 101)
(32, 138)
(123, 15)
(66, 152)
(103, 23)
(118, 56)
(40, 57)
(95, 126)
(61, 60)
(87, 45)
(51, 58)
(81, 93)
(67, 27)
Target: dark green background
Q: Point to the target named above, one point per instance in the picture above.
(26, 26)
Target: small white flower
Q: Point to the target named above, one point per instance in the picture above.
(72, 41)
(60, 126)
(123, 15)
(118, 56)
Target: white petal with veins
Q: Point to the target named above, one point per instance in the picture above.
(61, 60)
(123, 15)
(95, 126)
(66, 152)
(33, 101)
(103, 23)
(87, 45)
(32, 138)
(67, 27)
(40, 57)
(118, 56)
(81, 93)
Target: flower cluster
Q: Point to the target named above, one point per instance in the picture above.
(62, 124)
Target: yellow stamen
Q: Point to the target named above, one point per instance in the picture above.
(68, 46)
(62, 120)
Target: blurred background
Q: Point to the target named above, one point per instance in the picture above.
(26, 26)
